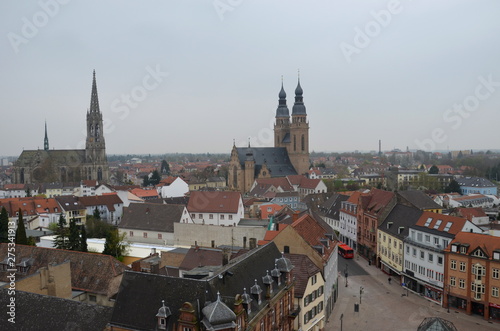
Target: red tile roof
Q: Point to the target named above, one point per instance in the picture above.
(142, 193)
(214, 202)
(486, 242)
(309, 229)
(469, 213)
(457, 223)
(108, 200)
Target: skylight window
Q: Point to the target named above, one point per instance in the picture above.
(429, 220)
(438, 223)
(448, 226)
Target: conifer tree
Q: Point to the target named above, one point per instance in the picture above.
(21, 238)
(61, 239)
(74, 236)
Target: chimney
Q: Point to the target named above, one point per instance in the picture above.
(226, 255)
(252, 243)
(154, 268)
(153, 251)
(295, 216)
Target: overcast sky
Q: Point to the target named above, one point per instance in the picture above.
(191, 76)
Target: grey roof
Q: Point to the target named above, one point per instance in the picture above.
(474, 182)
(58, 157)
(419, 199)
(282, 110)
(69, 202)
(298, 107)
(253, 222)
(218, 314)
(403, 217)
(151, 216)
(331, 207)
(228, 280)
(43, 312)
(275, 158)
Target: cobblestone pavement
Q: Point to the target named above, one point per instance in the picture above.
(386, 306)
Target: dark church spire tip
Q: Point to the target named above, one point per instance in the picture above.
(94, 101)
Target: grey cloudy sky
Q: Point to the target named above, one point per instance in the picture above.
(191, 76)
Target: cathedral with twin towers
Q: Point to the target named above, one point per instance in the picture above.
(290, 154)
(68, 165)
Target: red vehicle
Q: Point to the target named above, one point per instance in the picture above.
(345, 251)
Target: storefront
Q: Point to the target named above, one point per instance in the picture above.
(477, 308)
(391, 272)
(458, 303)
(494, 311)
(433, 293)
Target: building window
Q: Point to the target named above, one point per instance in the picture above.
(453, 264)
(314, 279)
(221, 217)
(427, 238)
(230, 217)
(200, 216)
(131, 233)
(494, 291)
(462, 266)
(92, 298)
(193, 216)
(463, 249)
(160, 236)
(431, 258)
(453, 281)
(414, 252)
(461, 283)
(145, 234)
(495, 273)
(422, 255)
(440, 260)
(211, 216)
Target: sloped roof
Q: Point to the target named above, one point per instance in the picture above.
(214, 202)
(151, 217)
(457, 223)
(312, 232)
(108, 200)
(229, 280)
(487, 243)
(419, 199)
(469, 213)
(69, 202)
(43, 312)
(474, 182)
(91, 272)
(142, 193)
(436, 324)
(304, 269)
(276, 182)
(399, 220)
(275, 158)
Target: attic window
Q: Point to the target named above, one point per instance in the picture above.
(463, 249)
(447, 227)
(429, 220)
(454, 247)
(438, 223)
(496, 255)
(478, 253)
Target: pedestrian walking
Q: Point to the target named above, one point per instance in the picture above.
(389, 280)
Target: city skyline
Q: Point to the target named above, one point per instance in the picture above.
(195, 76)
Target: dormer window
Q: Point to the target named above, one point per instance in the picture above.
(478, 253)
(463, 249)
(454, 248)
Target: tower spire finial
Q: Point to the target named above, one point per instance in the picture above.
(94, 100)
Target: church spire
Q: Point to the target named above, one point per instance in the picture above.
(94, 101)
(298, 107)
(46, 140)
(282, 110)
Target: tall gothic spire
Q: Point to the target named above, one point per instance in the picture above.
(94, 101)
(46, 140)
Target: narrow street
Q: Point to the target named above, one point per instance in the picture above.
(384, 306)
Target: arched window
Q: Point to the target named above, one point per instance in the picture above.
(303, 143)
(99, 174)
(294, 143)
(21, 176)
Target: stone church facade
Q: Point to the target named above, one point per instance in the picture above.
(68, 165)
(289, 156)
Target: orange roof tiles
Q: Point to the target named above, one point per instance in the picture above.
(486, 242)
(457, 223)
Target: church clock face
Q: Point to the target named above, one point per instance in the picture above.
(91, 139)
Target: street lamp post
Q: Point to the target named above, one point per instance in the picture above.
(360, 293)
(346, 274)
(448, 297)
(341, 317)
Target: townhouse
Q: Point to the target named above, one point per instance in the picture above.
(348, 221)
(216, 208)
(372, 209)
(424, 252)
(72, 208)
(390, 238)
(109, 206)
(472, 275)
